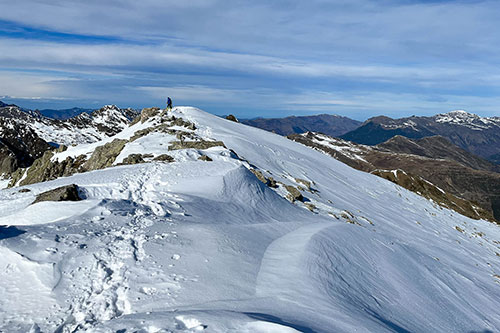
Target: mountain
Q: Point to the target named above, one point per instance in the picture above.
(478, 135)
(63, 114)
(25, 135)
(186, 222)
(333, 125)
(437, 147)
(432, 167)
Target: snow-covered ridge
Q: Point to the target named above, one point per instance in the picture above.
(205, 246)
(464, 118)
(83, 128)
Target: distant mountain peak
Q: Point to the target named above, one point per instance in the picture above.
(464, 118)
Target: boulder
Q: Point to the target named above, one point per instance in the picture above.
(232, 118)
(164, 158)
(63, 193)
(133, 159)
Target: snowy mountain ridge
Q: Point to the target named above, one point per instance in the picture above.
(240, 230)
(84, 128)
(464, 118)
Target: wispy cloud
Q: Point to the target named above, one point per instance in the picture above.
(356, 57)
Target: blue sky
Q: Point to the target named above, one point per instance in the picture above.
(356, 58)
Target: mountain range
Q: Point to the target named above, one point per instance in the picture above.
(186, 222)
(332, 125)
(432, 167)
(478, 135)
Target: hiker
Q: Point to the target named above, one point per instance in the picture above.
(169, 103)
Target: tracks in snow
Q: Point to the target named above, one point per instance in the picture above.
(100, 288)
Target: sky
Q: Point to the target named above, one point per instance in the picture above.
(259, 58)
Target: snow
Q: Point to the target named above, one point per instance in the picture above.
(354, 151)
(202, 246)
(470, 120)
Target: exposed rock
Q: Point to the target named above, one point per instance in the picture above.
(164, 158)
(24, 190)
(269, 181)
(104, 156)
(44, 169)
(133, 159)
(310, 206)
(293, 193)
(202, 144)
(304, 182)
(26, 135)
(140, 133)
(232, 118)
(183, 123)
(205, 158)
(430, 191)
(147, 113)
(63, 193)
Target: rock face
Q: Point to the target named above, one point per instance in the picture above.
(452, 173)
(332, 125)
(63, 193)
(26, 135)
(105, 155)
(478, 135)
(19, 145)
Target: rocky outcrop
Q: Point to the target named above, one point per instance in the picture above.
(293, 193)
(104, 156)
(164, 158)
(232, 118)
(63, 193)
(430, 191)
(205, 158)
(201, 144)
(133, 159)
(145, 114)
(44, 168)
(269, 181)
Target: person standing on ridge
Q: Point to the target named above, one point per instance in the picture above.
(169, 104)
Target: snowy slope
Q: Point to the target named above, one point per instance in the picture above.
(205, 246)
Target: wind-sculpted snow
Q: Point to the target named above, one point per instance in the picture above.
(196, 245)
